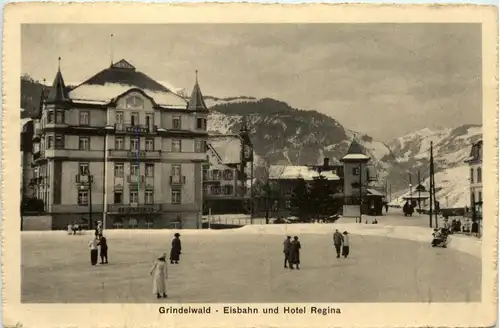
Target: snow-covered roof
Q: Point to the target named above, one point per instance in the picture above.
(109, 91)
(416, 195)
(292, 172)
(355, 157)
(119, 78)
(374, 192)
(227, 147)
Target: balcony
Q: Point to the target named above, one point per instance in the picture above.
(136, 129)
(36, 155)
(132, 154)
(135, 179)
(83, 180)
(134, 208)
(177, 180)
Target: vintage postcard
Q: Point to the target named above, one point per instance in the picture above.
(245, 165)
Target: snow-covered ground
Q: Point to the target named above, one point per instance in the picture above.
(246, 265)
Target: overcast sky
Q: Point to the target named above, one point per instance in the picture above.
(384, 80)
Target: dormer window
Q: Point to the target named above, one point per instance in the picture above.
(134, 102)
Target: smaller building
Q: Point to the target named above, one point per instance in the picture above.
(417, 197)
(228, 174)
(475, 161)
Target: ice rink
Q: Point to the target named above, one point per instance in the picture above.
(246, 265)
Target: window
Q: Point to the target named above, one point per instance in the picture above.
(50, 142)
(149, 122)
(150, 169)
(471, 175)
(148, 197)
(83, 197)
(150, 144)
(119, 143)
(134, 197)
(134, 102)
(134, 169)
(59, 142)
(205, 174)
(205, 189)
(355, 171)
(199, 123)
(176, 146)
(199, 146)
(205, 123)
(50, 117)
(119, 118)
(176, 197)
(59, 117)
(134, 144)
(228, 190)
(84, 118)
(176, 170)
(479, 175)
(216, 174)
(215, 190)
(176, 122)
(83, 168)
(228, 175)
(118, 197)
(119, 169)
(83, 143)
(479, 196)
(134, 119)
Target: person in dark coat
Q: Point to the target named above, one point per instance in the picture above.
(294, 255)
(337, 241)
(103, 243)
(175, 252)
(286, 249)
(386, 207)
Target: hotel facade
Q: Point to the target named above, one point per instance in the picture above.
(122, 148)
(475, 162)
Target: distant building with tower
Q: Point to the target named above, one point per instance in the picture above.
(359, 198)
(120, 147)
(228, 175)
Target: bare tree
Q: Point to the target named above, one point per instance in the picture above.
(265, 188)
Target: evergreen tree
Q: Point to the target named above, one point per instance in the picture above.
(320, 196)
(300, 200)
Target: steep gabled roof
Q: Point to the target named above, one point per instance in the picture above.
(227, 148)
(196, 102)
(355, 153)
(58, 93)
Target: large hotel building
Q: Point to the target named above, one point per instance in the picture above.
(122, 148)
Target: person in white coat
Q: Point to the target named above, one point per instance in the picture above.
(345, 244)
(160, 275)
(93, 250)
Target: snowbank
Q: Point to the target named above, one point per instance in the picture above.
(466, 244)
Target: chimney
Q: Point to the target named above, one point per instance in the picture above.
(326, 162)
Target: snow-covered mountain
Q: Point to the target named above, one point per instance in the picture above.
(450, 147)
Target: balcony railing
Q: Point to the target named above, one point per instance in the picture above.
(141, 154)
(177, 180)
(83, 179)
(134, 208)
(135, 179)
(140, 129)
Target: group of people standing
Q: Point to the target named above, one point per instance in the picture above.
(291, 249)
(341, 243)
(98, 242)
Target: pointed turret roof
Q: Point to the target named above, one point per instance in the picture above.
(355, 153)
(58, 93)
(196, 101)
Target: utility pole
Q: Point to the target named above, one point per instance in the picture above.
(431, 169)
(360, 193)
(418, 190)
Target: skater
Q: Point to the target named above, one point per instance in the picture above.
(294, 255)
(337, 241)
(175, 252)
(98, 229)
(286, 250)
(70, 229)
(160, 275)
(345, 245)
(93, 251)
(386, 207)
(103, 243)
